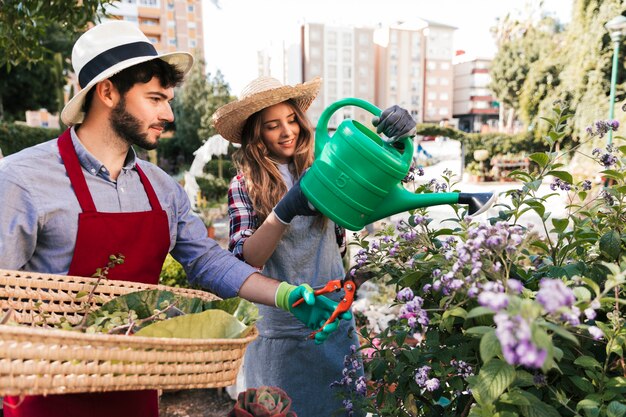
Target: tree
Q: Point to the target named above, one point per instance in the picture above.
(37, 85)
(25, 24)
(195, 103)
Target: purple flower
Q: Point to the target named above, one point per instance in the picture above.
(493, 300)
(596, 332)
(405, 294)
(515, 338)
(553, 295)
(432, 384)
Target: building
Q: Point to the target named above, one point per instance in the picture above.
(414, 69)
(475, 107)
(171, 25)
(344, 57)
(42, 118)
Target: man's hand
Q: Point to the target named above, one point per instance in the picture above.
(293, 204)
(395, 122)
(313, 312)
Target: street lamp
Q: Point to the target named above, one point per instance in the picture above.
(617, 29)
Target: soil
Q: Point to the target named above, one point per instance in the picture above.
(195, 403)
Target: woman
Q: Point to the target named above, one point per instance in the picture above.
(279, 232)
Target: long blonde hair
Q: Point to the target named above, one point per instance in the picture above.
(264, 182)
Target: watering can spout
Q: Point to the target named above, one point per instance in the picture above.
(400, 200)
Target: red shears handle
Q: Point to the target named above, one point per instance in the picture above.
(344, 305)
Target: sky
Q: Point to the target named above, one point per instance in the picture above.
(234, 32)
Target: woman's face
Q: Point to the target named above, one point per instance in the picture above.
(280, 131)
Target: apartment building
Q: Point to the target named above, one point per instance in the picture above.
(344, 57)
(171, 25)
(475, 107)
(414, 69)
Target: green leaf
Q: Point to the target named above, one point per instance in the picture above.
(493, 379)
(540, 158)
(479, 311)
(563, 175)
(478, 330)
(560, 224)
(610, 244)
(588, 405)
(582, 383)
(489, 346)
(587, 362)
(616, 409)
(537, 408)
(456, 311)
(561, 332)
(210, 324)
(611, 173)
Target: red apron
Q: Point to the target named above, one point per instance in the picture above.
(143, 239)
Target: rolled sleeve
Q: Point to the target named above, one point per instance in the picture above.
(205, 262)
(243, 217)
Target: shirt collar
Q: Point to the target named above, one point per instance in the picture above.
(91, 164)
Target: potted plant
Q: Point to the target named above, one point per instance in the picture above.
(262, 402)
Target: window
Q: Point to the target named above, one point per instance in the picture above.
(431, 81)
(432, 96)
(332, 71)
(443, 111)
(190, 8)
(171, 42)
(347, 88)
(431, 65)
(191, 25)
(364, 39)
(192, 43)
(347, 56)
(332, 38)
(443, 96)
(347, 39)
(415, 100)
(363, 71)
(331, 54)
(445, 65)
(347, 72)
(444, 81)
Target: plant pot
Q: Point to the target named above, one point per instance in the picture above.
(210, 230)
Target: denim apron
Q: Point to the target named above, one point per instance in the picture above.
(283, 355)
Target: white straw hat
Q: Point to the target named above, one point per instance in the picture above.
(107, 49)
(258, 95)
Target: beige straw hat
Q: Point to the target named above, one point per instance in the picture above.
(107, 49)
(258, 95)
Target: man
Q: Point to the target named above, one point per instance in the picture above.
(69, 203)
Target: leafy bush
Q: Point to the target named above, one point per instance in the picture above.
(213, 189)
(173, 274)
(15, 137)
(497, 319)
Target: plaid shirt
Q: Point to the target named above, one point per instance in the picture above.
(244, 220)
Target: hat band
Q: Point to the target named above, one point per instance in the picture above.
(113, 56)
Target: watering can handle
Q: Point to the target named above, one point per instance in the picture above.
(321, 131)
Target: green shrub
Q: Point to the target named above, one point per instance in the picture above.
(213, 189)
(173, 274)
(15, 137)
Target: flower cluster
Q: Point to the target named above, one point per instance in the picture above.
(608, 158)
(423, 381)
(351, 382)
(412, 311)
(515, 336)
(602, 127)
(462, 368)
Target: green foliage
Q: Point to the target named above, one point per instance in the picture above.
(193, 105)
(497, 319)
(24, 26)
(15, 137)
(213, 189)
(210, 324)
(173, 274)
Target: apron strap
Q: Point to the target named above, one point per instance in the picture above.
(74, 171)
(152, 197)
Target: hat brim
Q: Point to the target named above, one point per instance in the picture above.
(230, 118)
(72, 113)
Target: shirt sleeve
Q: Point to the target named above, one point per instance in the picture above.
(205, 262)
(243, 218)
(19, 220)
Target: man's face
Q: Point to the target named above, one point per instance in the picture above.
(141, 114)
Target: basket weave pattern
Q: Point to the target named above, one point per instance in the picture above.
(36, 360)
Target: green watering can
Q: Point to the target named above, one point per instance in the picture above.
(356, 177)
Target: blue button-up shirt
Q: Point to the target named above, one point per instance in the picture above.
(39, 215)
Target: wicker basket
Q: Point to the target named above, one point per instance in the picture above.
(35, 360)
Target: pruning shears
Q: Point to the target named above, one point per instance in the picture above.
(349, 286)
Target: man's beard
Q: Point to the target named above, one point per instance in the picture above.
(128, 127)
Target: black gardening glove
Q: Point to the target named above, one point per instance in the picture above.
(477, 202)
(293, 204)
(395, 122)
